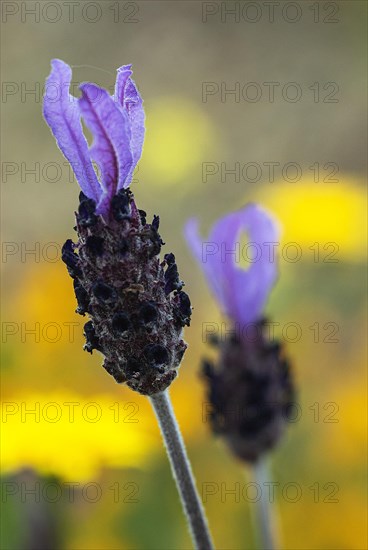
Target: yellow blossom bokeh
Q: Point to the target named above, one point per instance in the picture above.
(177, 139)
(332, 215)
(76, 436)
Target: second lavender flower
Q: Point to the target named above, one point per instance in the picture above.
(250, 390)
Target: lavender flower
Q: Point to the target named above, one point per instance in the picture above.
(135, 302)
(250, 391)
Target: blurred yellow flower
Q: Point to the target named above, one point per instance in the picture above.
(320, 213)
(73, 437)
(350, 402)
(44, 336)
(179, 134)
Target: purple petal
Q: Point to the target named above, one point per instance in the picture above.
(128, 97)
(253, 286)
(242, 293)
(111, 146)
(123, 75)
(62, 114)
(205, 252)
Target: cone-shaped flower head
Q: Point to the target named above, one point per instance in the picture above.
(135, 302)
(250, 390)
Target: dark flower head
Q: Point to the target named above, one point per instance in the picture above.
(250, 390)
(135, 303)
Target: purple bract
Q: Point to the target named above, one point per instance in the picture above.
(241, 293)
(116, 123)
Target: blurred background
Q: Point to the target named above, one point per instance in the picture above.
(245, 102)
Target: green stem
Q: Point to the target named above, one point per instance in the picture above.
(264, 514)
(182, 471)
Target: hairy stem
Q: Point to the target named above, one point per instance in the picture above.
(182, 471)
(264, 513)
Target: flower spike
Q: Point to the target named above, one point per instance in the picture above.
(135, 302)
(250, 390)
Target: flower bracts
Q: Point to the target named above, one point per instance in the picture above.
(250, 393)
(135, 302)
(116, 123)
